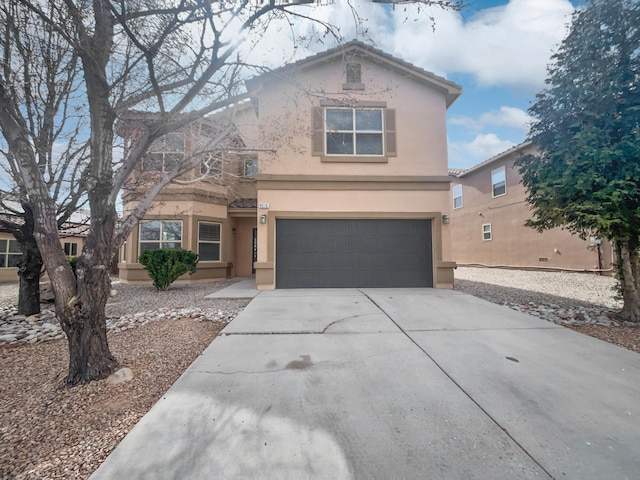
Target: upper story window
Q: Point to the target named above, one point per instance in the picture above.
(251, 167)
(71, 249)
(457, 196)
(354, 131)
(363, 134)
(212, 166)
(165, 153)
(498, 181)
(486, 232)
(10, 253)
(155, 234)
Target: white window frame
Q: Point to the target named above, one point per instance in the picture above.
(123, 252)
(211, 242)
(486, 231)
(250, 169)
(73, 249)
(502, 171)
(354, 132)
(457, 196)
(159, 147)
(161, 240)
(6, 253)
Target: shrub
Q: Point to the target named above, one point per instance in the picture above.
(73, 261)
(164, 266)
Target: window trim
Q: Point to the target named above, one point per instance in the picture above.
(160, 241)
(72, 246)
(163, 151)
(318, 137)
(6, 253)
(354, 131)
(493, 184)
(453, 191)
(485, 231)
(250, 168)
(219, 242)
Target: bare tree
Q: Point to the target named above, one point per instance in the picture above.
(180, 60)
(39, 82)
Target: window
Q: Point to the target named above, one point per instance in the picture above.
(155, 234)
(123, 252)
(10, 253)
(354, 131)
(498, 181)
(365, 134)
(457, 196)
(486, 231)
(251, 168)
(165, 153)
(209, 241)
(212, 165)
(71, 249)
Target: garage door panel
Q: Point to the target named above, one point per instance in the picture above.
(353, 253)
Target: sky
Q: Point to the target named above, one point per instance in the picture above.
(497, 50)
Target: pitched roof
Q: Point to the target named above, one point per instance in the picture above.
(450, 89)
(494, 159)
(456, 172)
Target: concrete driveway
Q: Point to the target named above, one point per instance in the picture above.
(379, 383)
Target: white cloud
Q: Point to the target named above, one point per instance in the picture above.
(483, 147)
(507, 117)
(510, 45)
(510, 117)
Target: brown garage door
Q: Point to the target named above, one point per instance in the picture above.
(317, 253)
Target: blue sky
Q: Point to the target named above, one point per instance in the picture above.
(497, 50)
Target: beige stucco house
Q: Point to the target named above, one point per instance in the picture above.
(351, 184)
(488, 212)
(72, 238)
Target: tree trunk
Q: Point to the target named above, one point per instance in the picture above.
(29, 269)
(80, 302)
(630, 292)
(89, 354)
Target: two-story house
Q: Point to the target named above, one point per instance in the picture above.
(352, 187)
(488, 215)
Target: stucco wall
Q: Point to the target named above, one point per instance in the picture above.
(10, 274)
(286, 115)
(512, 243)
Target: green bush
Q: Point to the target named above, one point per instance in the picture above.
(73, 261)
(164, 266)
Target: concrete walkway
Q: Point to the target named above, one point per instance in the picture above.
(379, 383)
(245, 287)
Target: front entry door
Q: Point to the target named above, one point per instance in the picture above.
(255, 250)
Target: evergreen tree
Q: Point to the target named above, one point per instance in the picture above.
(586, 177)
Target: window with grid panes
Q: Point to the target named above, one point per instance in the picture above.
(10, 253)
(156, 234)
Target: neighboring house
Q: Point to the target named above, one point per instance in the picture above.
(488, 212)
(72, 238)
(352, 181)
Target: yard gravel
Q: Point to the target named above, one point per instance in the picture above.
(51, 431)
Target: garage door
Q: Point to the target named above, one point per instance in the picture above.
(353, 253)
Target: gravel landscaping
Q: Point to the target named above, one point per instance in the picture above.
(580, 301)
(49, 431)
